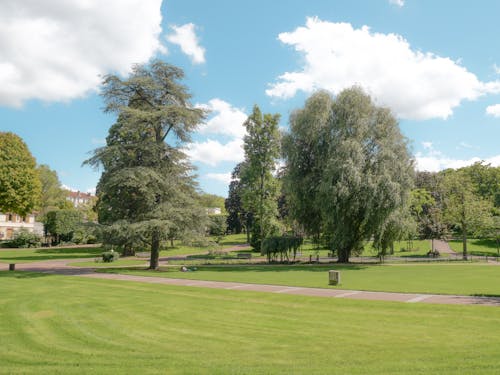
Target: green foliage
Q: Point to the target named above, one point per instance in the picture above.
(305, 152)
(52, 196)
(20, 186)
(349, 174)
(237, 218)
(24, 238)
(110, 256)
(147, 191)
(217, 226)
(62, 223)
(259, 188)
(212, 201)
(284, 246)
(465, 211)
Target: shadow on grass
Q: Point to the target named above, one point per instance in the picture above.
(52, 253)
(281, 268)
(21, 275)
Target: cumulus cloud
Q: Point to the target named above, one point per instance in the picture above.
(493, 110)
(435, 161)
(222, 177)
(226, 119)
(185, 37)
(213, 152)
(56, 50)
(399, 3)
(414, 84)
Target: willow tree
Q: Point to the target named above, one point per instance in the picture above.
(305, 154)
(147, 189)
(359, 171)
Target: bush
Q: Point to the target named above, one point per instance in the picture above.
(110, 256)
(23, 238)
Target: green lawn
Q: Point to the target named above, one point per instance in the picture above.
(466, 279)
(227, 242)
(70, 325)
(482, 247)
(50, 253)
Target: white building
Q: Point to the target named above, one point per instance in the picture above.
(9, 223)
(79, 198)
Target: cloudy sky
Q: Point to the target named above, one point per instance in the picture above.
(435, 64)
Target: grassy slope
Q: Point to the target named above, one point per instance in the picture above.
(57, 324)
(467, 279)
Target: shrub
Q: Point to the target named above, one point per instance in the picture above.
(110, 256)
(23, 238)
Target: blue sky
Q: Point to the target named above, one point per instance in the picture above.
(436, 64)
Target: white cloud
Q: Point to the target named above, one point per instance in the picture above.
(399, 3)
(427, 145)
(226, 119)
(493, 110)
(222, 177)
(435, 161)
(213, 152)
(414, 84)
(186, 38)
(496, 68)
(56, 50)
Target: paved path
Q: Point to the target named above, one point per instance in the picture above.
(60, 267)
(443, 247)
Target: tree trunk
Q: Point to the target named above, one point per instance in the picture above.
(464, 241)
(155, 251)
(247, 229)
(128, 251)
(171, 242)
(343, 256)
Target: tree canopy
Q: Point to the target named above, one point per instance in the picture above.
(20, 186)
(258, 185)
(147, 188)
(361, 170)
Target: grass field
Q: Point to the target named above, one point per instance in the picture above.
(456, 278)
(227, 241)
(69, 325)
(50, 253)
(482, 247)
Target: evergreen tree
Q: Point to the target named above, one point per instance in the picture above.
(147, 190)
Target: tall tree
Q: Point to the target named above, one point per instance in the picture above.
(305, 151)
(147, 187)
(364, 170)
(236, 215)
(20, 186)
(463, 209)
(53, 196)
(259, 186)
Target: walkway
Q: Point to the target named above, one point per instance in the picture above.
(443, 247)
(60, 267)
